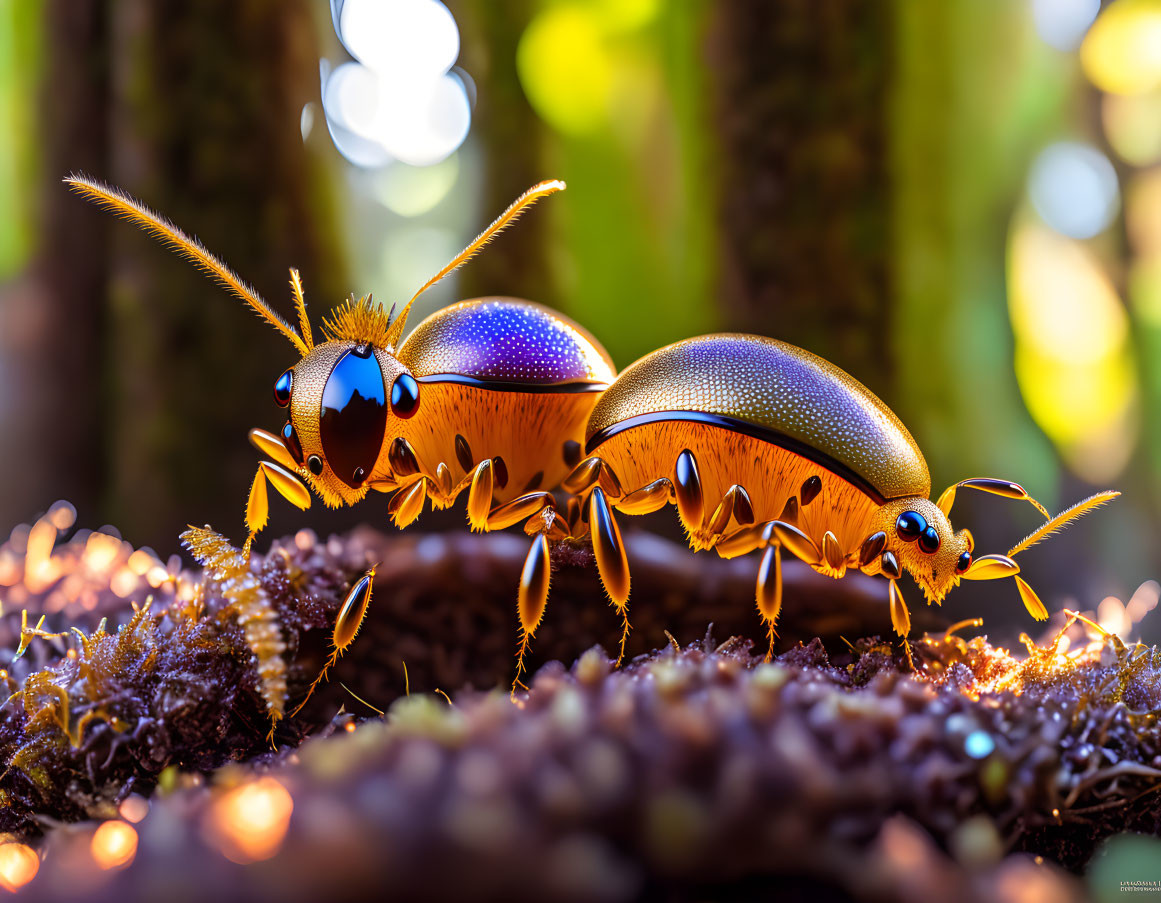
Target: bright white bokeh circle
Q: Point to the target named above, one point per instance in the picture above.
(408, 38)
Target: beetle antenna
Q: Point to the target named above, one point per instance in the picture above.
(160, 228)
(502, 222)
(1063, 519)
(300, 308)
(1003, 488)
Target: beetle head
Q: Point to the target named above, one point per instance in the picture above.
(344, 398)
(921, 537)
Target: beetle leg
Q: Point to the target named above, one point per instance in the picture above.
(575, 517)
(735, 504)
(480, 496)
(583, 476)
(687, 487)
(647, 499)
(870, 550)
(520, 508)
(612, 562)
(796, 541)
(900, 617)
(534, 579)
(742, 541)
(532, 598)
(768, 592)
(258, 505)
(407, 503)
(401, 457)
(273, 446)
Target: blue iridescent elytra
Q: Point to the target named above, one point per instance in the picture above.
(354, 415)
(505, 341)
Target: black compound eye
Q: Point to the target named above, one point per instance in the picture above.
(929, 540)
(965, 562)
(910, 525)
(290, 440)
(404, 396)
(354, 416)
(282, 388)
(314, 463)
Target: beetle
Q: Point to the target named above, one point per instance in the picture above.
(762, 445)
(488, 396)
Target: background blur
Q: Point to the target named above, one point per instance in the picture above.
(957, 202)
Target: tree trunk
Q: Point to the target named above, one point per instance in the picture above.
(802, 125)
(211, 139)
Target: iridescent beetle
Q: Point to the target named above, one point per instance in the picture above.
(764, 445)
(489, 395)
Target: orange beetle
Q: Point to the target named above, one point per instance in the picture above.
(489, 396)
(762, 445)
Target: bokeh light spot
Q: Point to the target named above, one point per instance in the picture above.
(1132, 124)
(114, 845)
(565, 69)
(399, 102)
(1073, 361)
(411, 191)
(979, 744)
(249, 822)
(18, 865)
(402, 38)
(1063, 23)
(1074, 189)
(1061, 301)
(1122, 52)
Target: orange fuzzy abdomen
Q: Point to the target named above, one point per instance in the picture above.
(529, 430)
(770, 474)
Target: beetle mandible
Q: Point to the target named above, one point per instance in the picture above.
(762, 445)
(489, 396)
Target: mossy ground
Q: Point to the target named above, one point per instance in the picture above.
(694, 771)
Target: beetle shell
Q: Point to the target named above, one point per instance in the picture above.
(776, 391)
(501, 377)
(505, 340)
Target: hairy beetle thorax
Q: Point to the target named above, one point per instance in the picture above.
(921, 537)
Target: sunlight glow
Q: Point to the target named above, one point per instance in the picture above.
(1122, 52)
(1074, 362)
(399, 101)
(1062, 302)
(565, 69)
(401, 38)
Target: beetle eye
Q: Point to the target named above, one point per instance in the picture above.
(404, 396)
(929, 540)
(354, 416)
(909, 525)
(290, 440)
(965, 562)
(282, 388)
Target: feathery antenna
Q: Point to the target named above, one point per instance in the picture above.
(160, 228)
(1063, 519)
(300, 307)
(502, 222)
